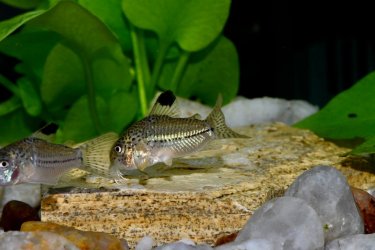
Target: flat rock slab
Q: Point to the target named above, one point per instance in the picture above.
(206, 195)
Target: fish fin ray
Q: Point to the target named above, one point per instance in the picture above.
(96, 154)
(166, 104)
(216, 120)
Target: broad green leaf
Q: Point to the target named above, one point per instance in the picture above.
(110, 13)
(78, 125)
(210, 72)
(10, 25)
(23, 4)
(348, 115)
(16, 126)
(110, 75)
(123, 107)
(10, 105)
(63, 80)
(30, 97)
(31, 48)
(193, 24)
(365, 148)
(83, 31)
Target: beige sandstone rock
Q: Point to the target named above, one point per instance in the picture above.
(206, 195)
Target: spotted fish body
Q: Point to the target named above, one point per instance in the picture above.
(34, 160)
(162, 136)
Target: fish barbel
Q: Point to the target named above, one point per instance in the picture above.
(34, 160)
(163, 135)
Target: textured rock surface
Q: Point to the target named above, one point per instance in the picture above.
(204, 196)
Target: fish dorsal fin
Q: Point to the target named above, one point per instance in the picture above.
(46, 133)
(166, 104)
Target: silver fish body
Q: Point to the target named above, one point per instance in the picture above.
(34, 160)
(162, 136)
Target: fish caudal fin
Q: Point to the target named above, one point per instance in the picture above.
(96, 154)
(216, 120)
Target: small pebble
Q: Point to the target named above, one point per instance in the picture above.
(15, 213)
(366, 205)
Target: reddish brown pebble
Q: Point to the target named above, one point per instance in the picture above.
(226, 239)
(15, 213)
(366, 205)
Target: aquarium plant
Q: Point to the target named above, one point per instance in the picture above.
(92, 66)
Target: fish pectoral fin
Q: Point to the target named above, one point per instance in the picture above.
(96, 154)
(168, 162)
(196, 116)
(166, 104)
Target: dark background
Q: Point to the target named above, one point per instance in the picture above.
(307, 50)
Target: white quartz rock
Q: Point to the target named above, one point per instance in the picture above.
(327, 191)
(288, 221)
(255, 244)
(183, 245)
(145, 243)
(28, 193)
(243, 111)
(353, 242)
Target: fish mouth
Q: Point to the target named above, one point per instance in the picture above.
(118, 165)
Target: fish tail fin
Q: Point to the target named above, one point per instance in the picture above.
(96, 154)
(216, 120)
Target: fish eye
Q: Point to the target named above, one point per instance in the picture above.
(4, 164)
(118, 149)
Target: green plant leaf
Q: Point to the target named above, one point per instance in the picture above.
(86, 36)
(348, 115)
(30, 97)
(123, 107)
(31, 48)
(63, 80)
(110, 13)
(209, 72)
(10, 105)
(192, 24)
(78, 125)
(23, 4)
(90, 39)
(16, 126)
(10, 25)
(365, 148)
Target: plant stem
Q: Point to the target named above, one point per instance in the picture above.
(90, 92)
(141, 66)
(163, 48)
(180, 69)
(9, 85)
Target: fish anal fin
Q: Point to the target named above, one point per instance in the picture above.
(166, 104)
(96, 154)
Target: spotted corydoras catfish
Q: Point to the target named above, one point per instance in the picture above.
(34, 160)
(162, 136)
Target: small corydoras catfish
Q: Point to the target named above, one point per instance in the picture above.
(162, 135)
(34, 160)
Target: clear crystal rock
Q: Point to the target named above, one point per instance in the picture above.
(353, 242)
(288, 221)
(327, 191)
